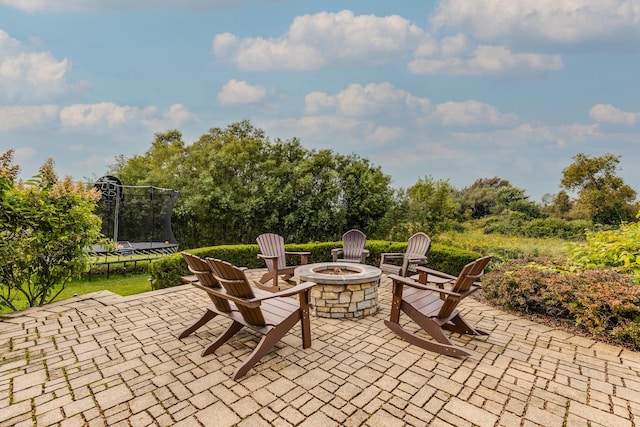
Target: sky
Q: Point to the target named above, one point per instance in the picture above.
(453, 89)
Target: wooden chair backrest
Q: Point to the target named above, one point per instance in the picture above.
(200, 268)
(418, 245)
(235, 282)
(353, 242)
(470, 273)
(272, 245)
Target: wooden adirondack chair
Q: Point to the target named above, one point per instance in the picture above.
(352, 249)
(269, 314)
(423, 304)
(273, 253)
(205, 278)
(418, 248)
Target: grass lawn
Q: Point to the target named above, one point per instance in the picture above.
(118, 284)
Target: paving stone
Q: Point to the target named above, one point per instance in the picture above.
(122, 352)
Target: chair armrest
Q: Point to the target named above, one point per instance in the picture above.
(435, 272)
(262, 256)
(390, 256)
(417, 259)
(410, 282)
(304, 256)
(285, 293)
(337, 250)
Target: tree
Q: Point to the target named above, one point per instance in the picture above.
(431, 205)
(605, 197)
(235, 183)
(480, 199)
(45, 225)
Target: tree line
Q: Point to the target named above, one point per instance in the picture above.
(236, 183)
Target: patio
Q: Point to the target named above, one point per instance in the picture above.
(102, 359)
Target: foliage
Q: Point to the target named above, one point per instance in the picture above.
(480, 199)
(517, 224)
(235, 184)
(601, 302)
(44, 227)
(602, 194)
(431, 206)
(167, 271)
(618, 248)
(500, 246)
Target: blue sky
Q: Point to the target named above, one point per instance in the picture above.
(454, 89)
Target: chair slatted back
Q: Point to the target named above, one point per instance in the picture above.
(205, 276)
(353, 242)
(470, 273)
(272, 245)
(235, 282)
(418, 246)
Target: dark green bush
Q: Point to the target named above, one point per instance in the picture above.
(601, 302)
(167, 271)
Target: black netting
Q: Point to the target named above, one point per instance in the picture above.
(136, 215)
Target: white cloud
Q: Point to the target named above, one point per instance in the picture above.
(109, 115)
(26, 116)
(555, 21)
(23, 154)
(470, 113)
(481, 60)
(368, 100)
(236, 92)
(177, 115)
(607, 113)
(318, 40)
(123, 5)
(27, 75)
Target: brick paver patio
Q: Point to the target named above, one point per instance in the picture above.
(103, 359)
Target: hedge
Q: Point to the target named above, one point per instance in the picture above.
(166, 272)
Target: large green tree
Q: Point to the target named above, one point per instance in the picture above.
(235, 183)
(45, 226)
(601, 193)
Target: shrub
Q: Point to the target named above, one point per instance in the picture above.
(618, 248)
(45, 225)
(167, 271)
(601, 302)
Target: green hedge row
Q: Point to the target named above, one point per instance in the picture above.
(167, 271)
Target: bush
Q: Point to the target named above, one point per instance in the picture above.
(45, 225)
(517, 224)
(618, 248)
(166, 272)
(601, 302)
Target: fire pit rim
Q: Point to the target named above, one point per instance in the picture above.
(365, 273)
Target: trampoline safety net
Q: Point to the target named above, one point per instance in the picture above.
(137, 218)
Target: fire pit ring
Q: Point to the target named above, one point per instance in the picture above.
(344, 290)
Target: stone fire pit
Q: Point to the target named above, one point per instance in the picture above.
(344, 290)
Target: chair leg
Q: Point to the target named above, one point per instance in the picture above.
(267, 277)
(446, 349)
(224, 337)
(208, 315)
(461, 326)
(442, 343)
(266, 344)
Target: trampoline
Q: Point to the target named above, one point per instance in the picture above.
(138, 221)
